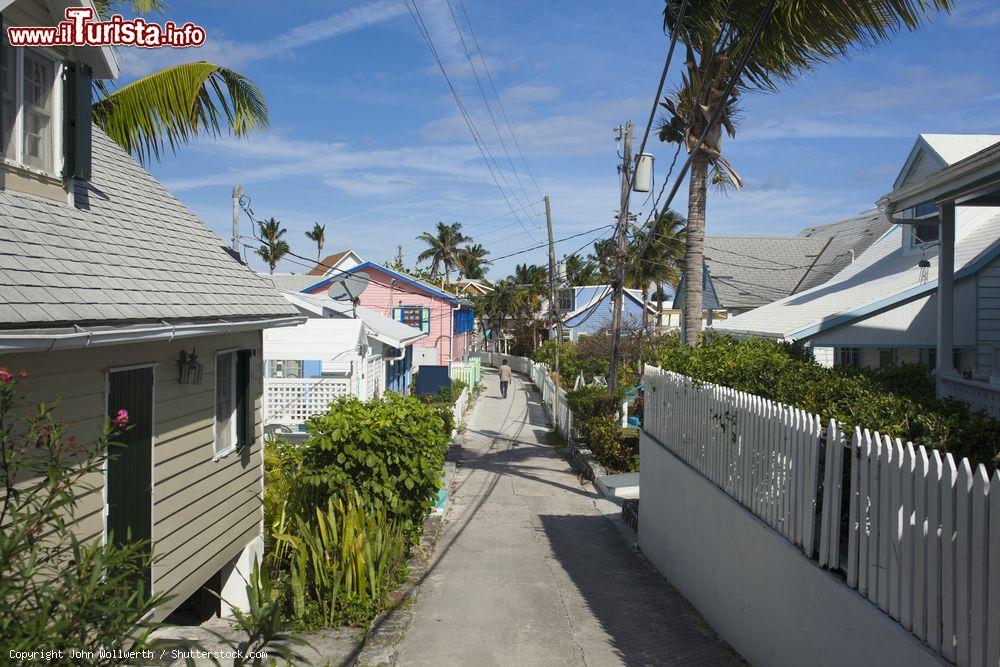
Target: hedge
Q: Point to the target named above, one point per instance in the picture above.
(898, 401)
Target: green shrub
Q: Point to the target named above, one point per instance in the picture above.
(898, 402)
(340, 562)
(588, 402)
(614, 447)
(572, 361)
(390, 450)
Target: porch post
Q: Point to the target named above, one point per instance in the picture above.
(946, 295)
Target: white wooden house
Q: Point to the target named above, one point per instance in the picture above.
(113, 295)
(929, 287)
(339, 350)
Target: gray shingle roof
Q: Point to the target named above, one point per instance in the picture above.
(748, 272)
(128, 251)
(854, 235)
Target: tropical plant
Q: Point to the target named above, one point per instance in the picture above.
(173, 106)
(659, 260)
(390, 450)
(264, 629)
(717, 35)
(443, 248)
(343, 560)
(580, 271)
(270, 232)
(318, 236)
(58, 592)
(471, 261)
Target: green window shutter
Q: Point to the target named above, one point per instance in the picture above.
(425, 320)
(397, 314)
(77, 82)
(244, 400)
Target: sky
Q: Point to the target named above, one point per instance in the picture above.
(367, 138)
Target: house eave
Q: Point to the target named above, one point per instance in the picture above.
(957, 182)
(78, 337)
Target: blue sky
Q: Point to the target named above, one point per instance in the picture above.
(367, 139)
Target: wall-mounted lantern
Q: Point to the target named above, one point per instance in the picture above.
(190, 367)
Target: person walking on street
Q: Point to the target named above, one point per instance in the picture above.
(504, 378)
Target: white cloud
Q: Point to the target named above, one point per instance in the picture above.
(138, 62)
(528, 94)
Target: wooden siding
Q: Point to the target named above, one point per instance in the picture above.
(205, 511)
(988, 320)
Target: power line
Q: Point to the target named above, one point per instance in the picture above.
(486, 101)
(545, 245)
(503, 112)
(415, 14)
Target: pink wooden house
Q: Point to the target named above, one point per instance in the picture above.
(446, 318)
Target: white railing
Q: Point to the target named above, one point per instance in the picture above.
(923, 532)
(553, 397)
(979, 395)
(294, 400)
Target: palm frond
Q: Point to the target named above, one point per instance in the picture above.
(173, 106)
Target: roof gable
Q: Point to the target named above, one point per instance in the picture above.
(127, 252)
(407, 279)
(933, 152)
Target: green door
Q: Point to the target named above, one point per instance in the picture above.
(129, 478)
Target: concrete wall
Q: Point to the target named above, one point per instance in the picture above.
(760, 593)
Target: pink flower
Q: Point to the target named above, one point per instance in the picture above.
(121, 420)
(5, 376)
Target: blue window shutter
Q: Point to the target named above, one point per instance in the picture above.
(425, 320)
(397, 314)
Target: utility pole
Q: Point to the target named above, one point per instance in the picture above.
(619, 282)
(399, 255)
(555, 320)
(237, 194)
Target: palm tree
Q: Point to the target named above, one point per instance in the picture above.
(270, 232)
(580, 270)
(471, 261)
(175, 105)
(716, 35)
(317, 235)
(660, 260)
(443, 248)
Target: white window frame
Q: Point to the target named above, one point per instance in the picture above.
(232, 406)
(57, 112)
(911, 231)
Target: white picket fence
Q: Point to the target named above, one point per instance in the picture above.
(553, 397)
(923, 532)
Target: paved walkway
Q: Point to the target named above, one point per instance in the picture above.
(529, 572)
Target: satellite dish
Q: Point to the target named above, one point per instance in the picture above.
(348, 288)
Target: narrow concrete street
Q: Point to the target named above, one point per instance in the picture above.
(529, 572)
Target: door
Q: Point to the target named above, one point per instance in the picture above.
(129, 482)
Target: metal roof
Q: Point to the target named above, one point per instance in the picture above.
(748, 272)
(383, 328)
(848, 239)
(127, 252)
(885, 275)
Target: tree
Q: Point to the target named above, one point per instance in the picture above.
(270, 232)
(716, 35)
(317, 235)
(580, 271)
(175, 105)
(471, 261)
(660, 260)
(443, 248)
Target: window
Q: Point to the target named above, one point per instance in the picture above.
(233, 401)
(413, 316)
(927, 228)
(30, 93)
(39, 81)
(848, 356)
